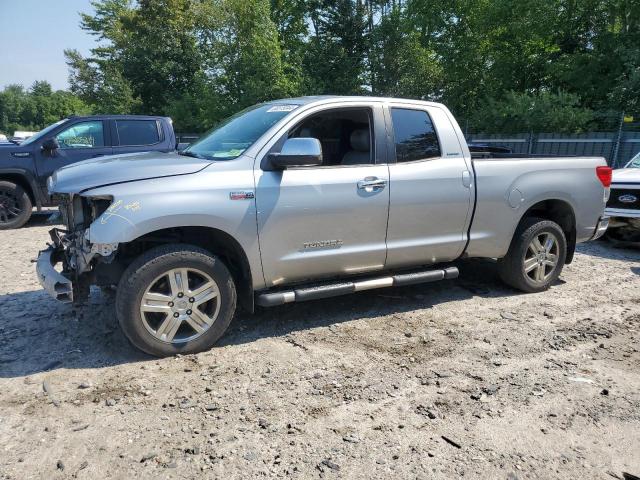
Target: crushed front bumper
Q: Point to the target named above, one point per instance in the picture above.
(56, 284)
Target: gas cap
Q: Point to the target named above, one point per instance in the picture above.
(515, 198)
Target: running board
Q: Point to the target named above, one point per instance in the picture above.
(336, 289)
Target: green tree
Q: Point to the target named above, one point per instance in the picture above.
(336, 55)
(242, 54)
(37, 107)
(540, 112)
(200, 60)
(400, 62)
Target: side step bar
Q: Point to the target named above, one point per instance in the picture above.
(336, 289)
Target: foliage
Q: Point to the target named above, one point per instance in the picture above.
(36, 108)
(524, 112)
(494, 62)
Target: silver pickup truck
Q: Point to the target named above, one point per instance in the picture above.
(308, 198)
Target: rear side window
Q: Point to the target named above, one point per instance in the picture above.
(415, 136)
(137, 132)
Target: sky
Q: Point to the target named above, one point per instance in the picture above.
(33, 36)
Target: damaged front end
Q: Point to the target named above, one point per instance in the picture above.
(72, 249)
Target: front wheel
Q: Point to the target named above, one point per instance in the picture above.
(536, 256)
(175, 299)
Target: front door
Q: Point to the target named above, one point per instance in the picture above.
(431, 189)
(79, 141)
(329, 220)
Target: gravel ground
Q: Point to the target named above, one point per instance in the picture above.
(463, 378)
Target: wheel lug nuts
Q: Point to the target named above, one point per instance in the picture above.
(176, 315)
(191, 300)
(171, 304)
(180, 295)
(188, 312)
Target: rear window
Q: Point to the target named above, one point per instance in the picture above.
(415, 136)
(137, 132)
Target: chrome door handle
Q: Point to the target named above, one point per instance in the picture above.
(372, 184)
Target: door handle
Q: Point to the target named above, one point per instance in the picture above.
(372, 184)
(466, 179)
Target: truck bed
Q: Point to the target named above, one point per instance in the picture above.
(507, 187)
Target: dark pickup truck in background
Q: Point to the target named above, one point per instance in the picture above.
(24, 168)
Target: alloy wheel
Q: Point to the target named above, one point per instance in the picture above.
(9, 206)
(541, 257)
(180, 305)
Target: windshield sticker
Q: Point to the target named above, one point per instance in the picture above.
(282, 108)
(234, 152)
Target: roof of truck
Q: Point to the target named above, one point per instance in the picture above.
(118, 117)
(348, 98)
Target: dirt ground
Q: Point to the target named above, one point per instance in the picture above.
(462, 378)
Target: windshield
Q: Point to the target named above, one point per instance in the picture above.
(635, 162)
(42, 133)
(233, 136)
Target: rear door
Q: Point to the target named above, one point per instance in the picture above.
(329, 220)
(78, 141)
(431, 188)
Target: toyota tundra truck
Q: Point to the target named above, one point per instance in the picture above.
(308, 198)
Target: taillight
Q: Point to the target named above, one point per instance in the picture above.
(604, 175)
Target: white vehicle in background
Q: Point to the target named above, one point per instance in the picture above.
(20, 136)
(3, 138)
(624, 203)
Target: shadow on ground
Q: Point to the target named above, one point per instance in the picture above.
(38, 334)
(606, 249)
(41, 219)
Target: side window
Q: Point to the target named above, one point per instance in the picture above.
(137, 132)
(415, 136)
(82, 135)
(345, 135)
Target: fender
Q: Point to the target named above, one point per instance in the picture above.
(507, 189)
(27, 176)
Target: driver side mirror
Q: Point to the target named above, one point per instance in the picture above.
(50, 144)
(297, 152)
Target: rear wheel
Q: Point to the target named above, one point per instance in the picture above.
(175, 299)
(15, 206)
(536, 256)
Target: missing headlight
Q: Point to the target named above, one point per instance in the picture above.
(98, 206)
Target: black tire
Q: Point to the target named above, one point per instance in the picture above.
(511, 268)
(15, 206)
(140, 275)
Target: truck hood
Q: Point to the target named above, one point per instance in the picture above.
(99, 172)
(626, 175)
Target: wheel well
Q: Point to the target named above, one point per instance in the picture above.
(560, 212)
(24, 183)
(215, 241)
